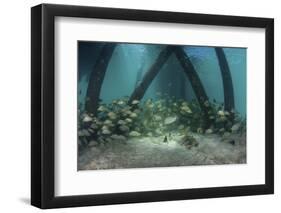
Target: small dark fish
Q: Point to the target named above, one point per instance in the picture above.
(232, 142)
(165, 139)
(100, 100)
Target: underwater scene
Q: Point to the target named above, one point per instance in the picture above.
(158, 105)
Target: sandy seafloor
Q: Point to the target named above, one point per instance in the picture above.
(153, 152)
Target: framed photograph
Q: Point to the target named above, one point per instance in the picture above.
(139, 106)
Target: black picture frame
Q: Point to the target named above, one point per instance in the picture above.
(43, 102)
